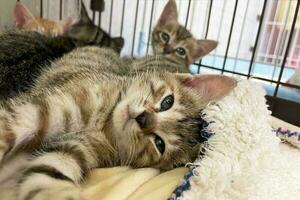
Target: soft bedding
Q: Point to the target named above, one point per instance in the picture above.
(245, 158)
(133, 184)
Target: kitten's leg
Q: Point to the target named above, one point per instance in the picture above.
(30, 121)
(61, 165)
(55, 172)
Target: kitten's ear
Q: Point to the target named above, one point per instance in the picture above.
(209, 87)
(22, 15)
(169, 13)
(84, 16)
(119, 42)
(204, 47)
(66, 24)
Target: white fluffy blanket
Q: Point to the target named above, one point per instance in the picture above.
(245, 160)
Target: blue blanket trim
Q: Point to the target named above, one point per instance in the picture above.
(287, 133)
(184, 184)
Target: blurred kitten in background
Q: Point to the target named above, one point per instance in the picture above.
(175, 42)
(85, 32)
(25, 20)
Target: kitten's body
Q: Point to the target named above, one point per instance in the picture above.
(80, 115)
(22, 57)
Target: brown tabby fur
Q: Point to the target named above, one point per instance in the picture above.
(81, 115)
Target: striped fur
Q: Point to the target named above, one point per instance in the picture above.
(23, 55)
(81, 115)
(84, 31)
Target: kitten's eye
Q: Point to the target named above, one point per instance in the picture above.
(180, 51)
(165, 37)
(167, 103)
(160, 144)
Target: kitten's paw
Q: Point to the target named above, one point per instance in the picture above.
(56, 194)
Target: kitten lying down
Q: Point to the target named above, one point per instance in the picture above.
(80, 116)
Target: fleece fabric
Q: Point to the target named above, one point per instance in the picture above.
(244, 158)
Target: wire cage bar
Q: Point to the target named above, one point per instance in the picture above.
(206, 31)
(261, 18)
(287, 49)
(257, 39)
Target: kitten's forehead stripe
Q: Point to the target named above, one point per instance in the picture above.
(182, 33)
(152, 88)
(160, 91)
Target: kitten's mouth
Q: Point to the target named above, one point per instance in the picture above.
(126, 118)
(126, 114)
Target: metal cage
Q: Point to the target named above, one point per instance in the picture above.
(258, 39)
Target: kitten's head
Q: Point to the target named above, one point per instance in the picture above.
(26, 21)
(175, 41)
(158, 119)
(85, 32)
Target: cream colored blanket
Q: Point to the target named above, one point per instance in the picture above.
(133, 184)
(124, 183)
(245, 158)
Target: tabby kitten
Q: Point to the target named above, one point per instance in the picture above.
(80, 116)
(175, 42)
(24, 54)
(25, 20)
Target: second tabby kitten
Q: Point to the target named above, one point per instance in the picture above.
(80, 116)
(175, 42)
